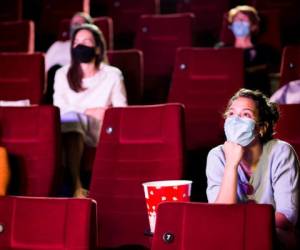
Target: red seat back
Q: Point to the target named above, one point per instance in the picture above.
(287, 128)
(203, 80)
(105, 24)
(125, 15)
(17, 36)
(47, 223)
(11, 10)
(205, 226)
(131, 63)
(22, 76)
(31, 137)
(159, 36)
(137, 144)
(208, 18)
(290, 64)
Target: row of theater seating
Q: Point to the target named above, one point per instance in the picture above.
(201, 81)
(129, 153)
(125, 15)
(69, 224)
(158, 37)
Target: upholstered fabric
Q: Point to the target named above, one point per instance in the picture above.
(204, 80)
(194, 226)
(47, 223)
(31, 136)
(138, 144)
(22, 76)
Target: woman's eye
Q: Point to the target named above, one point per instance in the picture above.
(247, 115)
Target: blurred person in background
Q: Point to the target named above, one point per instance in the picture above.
(83, 90)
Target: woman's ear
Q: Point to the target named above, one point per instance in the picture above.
(263, 129)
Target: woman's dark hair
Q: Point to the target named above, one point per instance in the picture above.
(268, 112)
(75, 73)
(249, 11)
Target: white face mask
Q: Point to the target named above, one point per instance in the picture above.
(240, 28)
(240, 130)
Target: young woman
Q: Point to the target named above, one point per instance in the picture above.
(251, 166)
(83, 91)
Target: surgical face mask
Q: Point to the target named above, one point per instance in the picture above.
(240, 28)
(240, 130)
(84, 54)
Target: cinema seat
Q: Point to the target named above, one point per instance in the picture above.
(194, 226)
(31, 136)
(137, 144)
(158, 37)
(287, 127)
(22, 76)
(47, 223)
(290, 64)
(17, 36)
(203, 80)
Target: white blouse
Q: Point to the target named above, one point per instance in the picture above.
(104, 89)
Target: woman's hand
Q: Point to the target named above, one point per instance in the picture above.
(233, 153)
(97, 113)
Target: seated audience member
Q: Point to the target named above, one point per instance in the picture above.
(251, 166)
(288, 93)
(59, 55)
(4, 172)
(83, 90)
(260, 59)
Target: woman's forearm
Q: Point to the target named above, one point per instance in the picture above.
(228, 189)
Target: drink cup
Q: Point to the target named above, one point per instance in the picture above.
(161, 191)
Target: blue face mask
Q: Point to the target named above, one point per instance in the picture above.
(240, 130)
(240, 28)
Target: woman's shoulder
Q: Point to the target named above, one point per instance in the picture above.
(109, 68)
(216, 151)
(279, 146)
(63, 70)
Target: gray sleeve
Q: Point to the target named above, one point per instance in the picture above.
(285, 182)
(214, 173)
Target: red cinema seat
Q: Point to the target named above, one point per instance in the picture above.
(194, 226)
(47, 223)
(125, 15)
(158, 37)
(105, 24)
(138, 144)
(31, 137)
(289, 17)
(204, 79)
(22, 76)
(290, 64)
(17, 36)
(11, 10)
(52, 12)
(131, 63)
(208, 18)
(287, 128)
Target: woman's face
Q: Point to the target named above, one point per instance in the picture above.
(243, 107)
(84, 37)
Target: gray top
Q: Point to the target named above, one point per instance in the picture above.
(275, 180)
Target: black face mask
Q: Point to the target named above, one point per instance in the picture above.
(84, 54)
